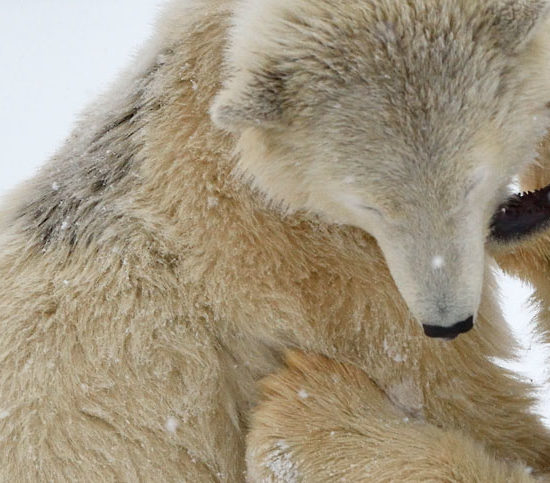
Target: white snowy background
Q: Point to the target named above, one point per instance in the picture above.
(56, 55)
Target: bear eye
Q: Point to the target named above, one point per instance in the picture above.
(480, 176)
(471, 188)
(370, 208)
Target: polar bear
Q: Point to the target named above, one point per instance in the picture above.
(276, 175)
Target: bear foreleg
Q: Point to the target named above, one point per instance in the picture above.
(321, 420)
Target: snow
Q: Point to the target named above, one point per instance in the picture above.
(302, 394)
(533, 361)
(438, 262)
(58, 54)
(4, 414)
(171, 424)
(280, 463)
(212, 201)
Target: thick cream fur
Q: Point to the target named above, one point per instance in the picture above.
(146, 288)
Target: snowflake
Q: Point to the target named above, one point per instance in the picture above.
(171, 424)
(438, 262)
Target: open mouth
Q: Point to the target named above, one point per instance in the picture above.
(522, 215)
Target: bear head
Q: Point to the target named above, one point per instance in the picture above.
(408, 120)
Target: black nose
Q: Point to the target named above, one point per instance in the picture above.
(449, 332)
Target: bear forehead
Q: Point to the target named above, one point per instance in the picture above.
(400, 53)
(418, 77)
(395, 31)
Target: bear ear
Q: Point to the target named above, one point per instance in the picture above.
(251, 99)
(517, 20)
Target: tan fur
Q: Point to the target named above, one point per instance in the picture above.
(146, 288)
(304, 426)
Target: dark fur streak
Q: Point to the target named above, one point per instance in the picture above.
(84, 180)
(114, 124)
(49, 210)
(99, 185)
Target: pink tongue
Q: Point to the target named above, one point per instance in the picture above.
(521, 216)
